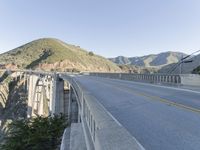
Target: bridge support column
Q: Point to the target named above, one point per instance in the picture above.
(25, 83)
(58, 98)
(73, 107)
(31, 94)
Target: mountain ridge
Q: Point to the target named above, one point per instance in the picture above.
(152, 60)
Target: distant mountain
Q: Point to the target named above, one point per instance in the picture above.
(53, 54)
(137, 69)
(184, 67)
(154, 60)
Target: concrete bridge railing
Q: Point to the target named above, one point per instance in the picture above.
(190, 79)
(176, 79)
(102, 131)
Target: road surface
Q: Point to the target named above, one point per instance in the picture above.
(160, 118)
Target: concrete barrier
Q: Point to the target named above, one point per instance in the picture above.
(102, 131)
(190, 79)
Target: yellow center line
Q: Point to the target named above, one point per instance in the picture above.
(155, 98)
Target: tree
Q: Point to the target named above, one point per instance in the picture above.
(39, 133)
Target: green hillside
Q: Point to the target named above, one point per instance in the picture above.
(48, 54)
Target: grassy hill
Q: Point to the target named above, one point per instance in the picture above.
(49, 54)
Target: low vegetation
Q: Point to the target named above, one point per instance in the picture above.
(38, 133)
(91, 53)
(51, 53)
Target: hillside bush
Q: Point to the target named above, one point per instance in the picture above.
(91, 53)
(38, 133)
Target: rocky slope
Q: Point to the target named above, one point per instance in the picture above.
(154, 60)
(53, 54)
(13, 102)
(185, 67)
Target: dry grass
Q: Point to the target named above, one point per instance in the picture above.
(49, 51)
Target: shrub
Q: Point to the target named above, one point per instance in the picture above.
(39, 133)
(91, 53)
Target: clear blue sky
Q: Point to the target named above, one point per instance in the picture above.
(107, 27)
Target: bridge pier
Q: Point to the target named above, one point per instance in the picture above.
(63, 98)
(32, 84)
(73, 108)
(59, 96)
(39, 95)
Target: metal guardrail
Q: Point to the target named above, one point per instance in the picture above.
(101, 130)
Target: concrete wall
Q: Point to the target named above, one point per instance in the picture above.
(190, 79)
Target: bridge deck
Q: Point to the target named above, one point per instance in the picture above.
(158, 117)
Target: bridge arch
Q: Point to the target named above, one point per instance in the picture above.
(38, 103)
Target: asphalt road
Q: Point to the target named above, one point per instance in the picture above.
(160, 118)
